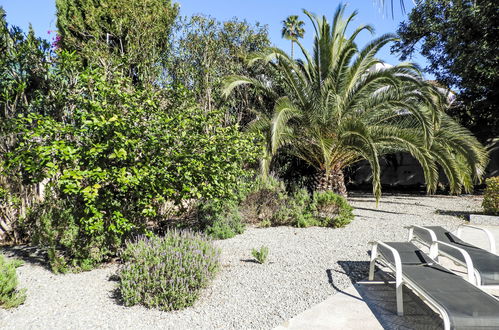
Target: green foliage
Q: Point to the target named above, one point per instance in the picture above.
(24, 76)
(260, 254)
(269, 204)
(490, 202)
(331, 210)
(10, 296)
(295, 210)
(207, 50)
(341, 105)
(54, 224)
(133, 34)
(118, 155)
(24, 72)
(220, 219)
(459, 41)
(167, 272)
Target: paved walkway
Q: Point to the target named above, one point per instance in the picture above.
(373, 306)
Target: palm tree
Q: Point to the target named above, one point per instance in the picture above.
(342, 105)
(382, 4)
(292, 30)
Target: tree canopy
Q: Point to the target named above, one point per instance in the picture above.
(134, 34)
(292, 29)
(460, 40)
(341, 104)
(206, 50)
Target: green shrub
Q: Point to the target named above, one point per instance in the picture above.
(331, 210)
(295, 210)
(490, 202)
(167, 272)
(54, 225)
(10, 296)
(269, 204)
(118, 156)
(261, 254)
(264, 199)
(220, 219)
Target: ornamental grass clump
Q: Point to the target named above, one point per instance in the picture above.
(167, 272)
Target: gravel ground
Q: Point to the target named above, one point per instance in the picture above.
(304, 267)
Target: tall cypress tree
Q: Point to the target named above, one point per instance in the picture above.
(133, 34)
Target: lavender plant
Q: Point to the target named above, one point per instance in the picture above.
(10, 295)
(167, 272)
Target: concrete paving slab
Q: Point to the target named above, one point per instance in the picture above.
(344, 310)
(479, 238)
(480, 219)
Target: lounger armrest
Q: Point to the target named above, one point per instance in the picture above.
(433, 252)
(492, 241)
(398, 271)
(467, 258)
(396, 258)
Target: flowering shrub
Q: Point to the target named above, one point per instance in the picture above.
(167, 272)
(490, 202)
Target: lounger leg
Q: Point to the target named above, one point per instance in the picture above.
(400, 299)
(371, 270)
(411, 234)
(398, 289)
(374, 254)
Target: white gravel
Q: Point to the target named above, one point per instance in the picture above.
(304, 267)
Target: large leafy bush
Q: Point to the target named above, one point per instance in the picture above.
(114, 158)
(168, 272)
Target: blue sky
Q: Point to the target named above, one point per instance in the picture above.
(41, 14)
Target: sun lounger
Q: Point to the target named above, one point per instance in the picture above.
(461, 304)
(485, 264)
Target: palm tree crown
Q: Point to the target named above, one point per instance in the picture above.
(292, 29)
(341, 105)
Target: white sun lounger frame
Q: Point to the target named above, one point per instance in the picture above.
(400, 280)
(435, 251)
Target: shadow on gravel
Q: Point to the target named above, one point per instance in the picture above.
(355, 270)
(381, 299)
(115, 294)
(417, 203)
(250, 261)
(381, 211)
(459, 214)
(27, 254)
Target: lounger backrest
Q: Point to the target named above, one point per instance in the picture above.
(485, 262)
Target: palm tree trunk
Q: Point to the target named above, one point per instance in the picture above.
(333, 181)
(292, 49)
